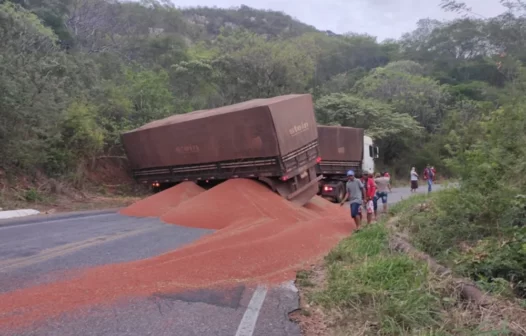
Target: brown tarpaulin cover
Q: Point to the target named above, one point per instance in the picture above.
(254, 129)
(339, 143)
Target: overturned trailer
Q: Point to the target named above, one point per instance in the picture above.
(274, 140)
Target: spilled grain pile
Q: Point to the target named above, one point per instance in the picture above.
(158, 204)
(260, 238)
(238, 200)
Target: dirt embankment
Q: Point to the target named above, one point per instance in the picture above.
(100, 184)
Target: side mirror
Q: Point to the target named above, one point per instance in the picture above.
(376, 152)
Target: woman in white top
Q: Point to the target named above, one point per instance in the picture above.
(414, 180)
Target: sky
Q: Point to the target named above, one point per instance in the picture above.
(381, 18)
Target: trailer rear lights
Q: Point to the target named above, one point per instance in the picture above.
(327, 188)
(318, 159)
(284, 178)
(156, 184)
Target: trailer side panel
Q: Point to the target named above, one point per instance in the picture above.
(341, 143)
(222, 137)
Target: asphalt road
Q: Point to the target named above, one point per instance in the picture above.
(38, 250)
(399, 194)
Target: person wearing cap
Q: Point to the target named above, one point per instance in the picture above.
(355, 193)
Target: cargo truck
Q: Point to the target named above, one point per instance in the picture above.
(342, 149)
(273, 140)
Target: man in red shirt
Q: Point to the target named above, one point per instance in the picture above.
(429, 177)
(370, 193)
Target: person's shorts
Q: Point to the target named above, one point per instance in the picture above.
(356, 209)
(369, 207)
(382, 196)
(414, 184)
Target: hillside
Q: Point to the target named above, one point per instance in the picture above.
(88, 70)
(263, 22)
(91, 69)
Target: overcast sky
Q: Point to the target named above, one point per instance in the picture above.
(382, 18)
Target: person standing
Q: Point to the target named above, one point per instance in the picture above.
(370, 194)
(355, 193)
(414, 180)
(428, 176)
(375, 198)
(383, 185)
(363, 178)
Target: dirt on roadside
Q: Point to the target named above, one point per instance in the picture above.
(311, 319)
(101, 185)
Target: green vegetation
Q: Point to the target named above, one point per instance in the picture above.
(75, 74)
(464, 229)
(373, 290)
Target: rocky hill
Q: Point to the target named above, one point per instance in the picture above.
(263, 22)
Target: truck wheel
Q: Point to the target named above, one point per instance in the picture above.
(341, 193)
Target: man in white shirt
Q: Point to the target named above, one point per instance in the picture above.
(383, 185)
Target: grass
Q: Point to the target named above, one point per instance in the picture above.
(368, 289)
(367, 281)
(453, 228)
(411, 202)
(303, 278)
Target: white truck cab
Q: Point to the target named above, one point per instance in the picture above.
(370, 153)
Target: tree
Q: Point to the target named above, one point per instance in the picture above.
(343, 53)
(254, 67)
(141, 97)
(195, 83)
(422, 98)
(33, 93)
(343, 82)
(409, 67)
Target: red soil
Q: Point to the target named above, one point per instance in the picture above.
(262, 238)
(160, 203)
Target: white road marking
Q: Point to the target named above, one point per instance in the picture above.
(248, 322)
(18, 213)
